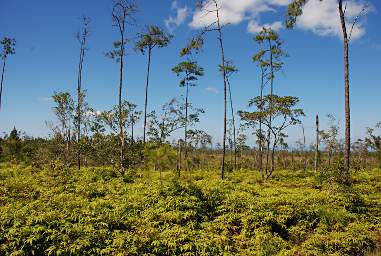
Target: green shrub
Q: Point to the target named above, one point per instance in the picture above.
(61, 211)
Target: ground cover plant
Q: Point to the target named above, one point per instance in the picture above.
(135, 158)
(62, 211)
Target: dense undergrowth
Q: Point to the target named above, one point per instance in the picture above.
(96, 212)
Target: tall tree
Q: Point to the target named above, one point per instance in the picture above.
(148, 40)
(8, 48)
(213, 7)
(122, 13)
(263, 64)
(82, 37)
(295, 9)
(269, 59)
(230, 69)
(190, 71)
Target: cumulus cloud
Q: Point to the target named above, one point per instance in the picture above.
(237, 11)
(173, 22)
(254, 27)
(212, 90)
(322, 18)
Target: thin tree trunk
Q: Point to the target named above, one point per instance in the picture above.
(271, 104)
(79, 100)
(234, 127)
(260, 129)
(347, 147)
(178, 167)
(1, 86)
(186, 126)
(121, 133)
(268, 153)
(146, 99)
(132, 127)
(317, 143)
(272, 167)
(304, 149)
(225, 90)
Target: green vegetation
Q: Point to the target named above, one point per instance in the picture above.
(162, 195)
(95, 211)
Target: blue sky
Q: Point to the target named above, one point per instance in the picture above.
(47, 57)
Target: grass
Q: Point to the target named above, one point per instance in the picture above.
(96, 212)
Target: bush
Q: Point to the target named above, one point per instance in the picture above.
(96, 212)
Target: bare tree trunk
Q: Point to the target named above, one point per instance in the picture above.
(234, 127)
(225, 89)
(121, 132)
(271, 104)
(80, 99)
(1, 86)
(317, 143)
(347, 147)
(186, 127)
(178, 167)
(304, 149)
(146, 99)
(272, 168)
(268, 153)
(132, 127)
(260, 129)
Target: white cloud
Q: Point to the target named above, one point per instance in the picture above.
(173, 22)
(322, 18)
(253, 26)
(212, 90)
(237, 11)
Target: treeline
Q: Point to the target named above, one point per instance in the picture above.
(84, 136)
(101, 149)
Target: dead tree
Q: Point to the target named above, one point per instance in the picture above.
(82, 37)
